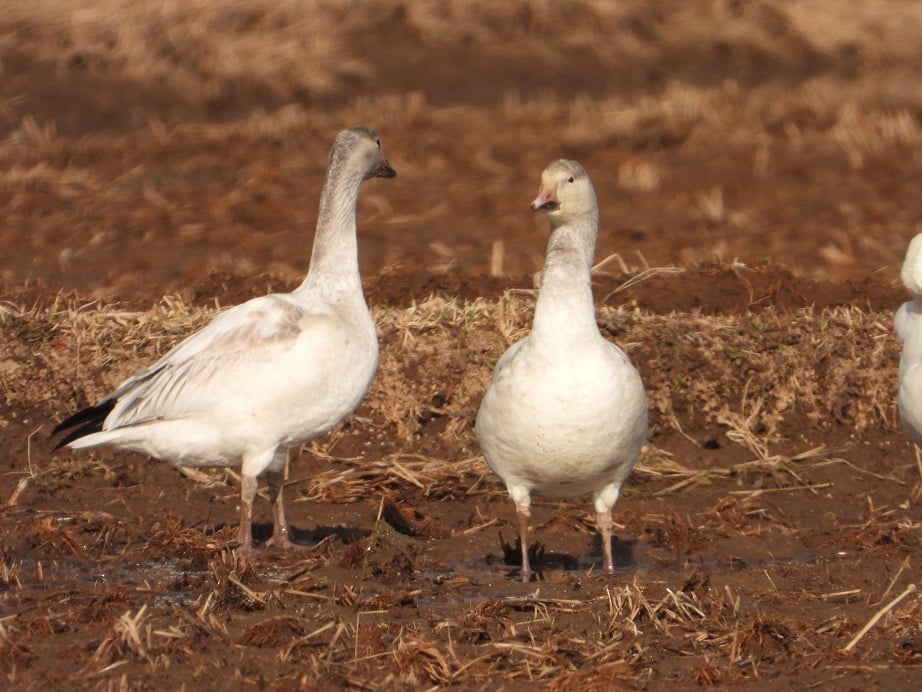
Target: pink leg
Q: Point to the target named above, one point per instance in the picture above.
(603, 521)
(280, 537)
(247, 494)
(523, 514)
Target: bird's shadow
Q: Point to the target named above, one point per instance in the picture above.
(311, 537)
(540, 559)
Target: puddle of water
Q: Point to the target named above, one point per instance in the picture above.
(64, 573)
(469, 576)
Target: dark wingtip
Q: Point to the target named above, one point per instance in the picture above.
(85, 429)
(89, 419)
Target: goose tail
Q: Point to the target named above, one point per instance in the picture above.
(85, 422)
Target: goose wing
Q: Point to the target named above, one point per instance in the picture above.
(185, 379)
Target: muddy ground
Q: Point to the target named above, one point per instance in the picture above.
(758, 170)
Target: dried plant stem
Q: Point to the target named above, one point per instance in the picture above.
(246, 589)
(20, 487)
(642, 276)
(480, 527)
(877, 616)
(761, 491)
(893, 581)
(840, 594)
(358, 615)
(496, 258)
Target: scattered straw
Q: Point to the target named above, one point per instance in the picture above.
(877, 616)
(642, 276)
(893, 581)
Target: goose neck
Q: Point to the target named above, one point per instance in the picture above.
(334, 258)
(565, 303)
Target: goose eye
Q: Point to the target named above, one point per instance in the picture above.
(570, 179)
(378, 142)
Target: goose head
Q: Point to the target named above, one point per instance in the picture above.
(911, 274)
(566, 193)
(360, 149)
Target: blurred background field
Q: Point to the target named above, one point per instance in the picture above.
(144, 145)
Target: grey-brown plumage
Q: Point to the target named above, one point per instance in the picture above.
(266, 375)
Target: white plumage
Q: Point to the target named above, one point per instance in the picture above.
(566, 412)
(908, 325)
(266, 375)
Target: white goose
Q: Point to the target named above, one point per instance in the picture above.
(566, 412)
(908, 325)
(266, 375)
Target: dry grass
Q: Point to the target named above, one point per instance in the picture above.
(266, 41)
(750, 379)
(664, 148)
(746, 381)
(196, 48)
